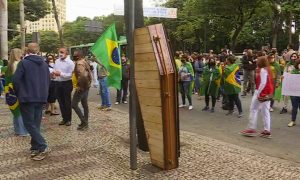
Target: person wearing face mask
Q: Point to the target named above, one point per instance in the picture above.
(276, 73)
(295, 99)
(62, 72)
(288, 69)
(186, 76)
(83, 77)
(211, 83)
(52, 89)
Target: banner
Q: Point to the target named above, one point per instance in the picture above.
(291, 85)
(159, 12)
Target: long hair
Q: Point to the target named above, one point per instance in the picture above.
(15, 55)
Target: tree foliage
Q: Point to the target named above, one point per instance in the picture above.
(237, 24)
(74, 33)
(34, 10)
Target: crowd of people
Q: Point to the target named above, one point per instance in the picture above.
(34, 83)
(219, 75)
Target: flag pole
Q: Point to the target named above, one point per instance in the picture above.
(132, 96)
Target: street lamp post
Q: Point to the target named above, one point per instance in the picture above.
(132, 101)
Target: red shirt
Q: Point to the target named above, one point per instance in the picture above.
(268, 88)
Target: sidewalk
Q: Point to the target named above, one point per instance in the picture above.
(102, 152)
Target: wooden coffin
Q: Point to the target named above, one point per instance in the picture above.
(156, 84)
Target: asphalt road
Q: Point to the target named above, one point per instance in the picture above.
(283, 144)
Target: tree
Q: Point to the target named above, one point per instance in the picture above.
(34, 10)
(59, 27)
(49, 42)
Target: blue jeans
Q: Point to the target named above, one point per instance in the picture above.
(1, 86)
(185, 91)
(32, 117)
(295, 106)
(104, 92)
(19, 126)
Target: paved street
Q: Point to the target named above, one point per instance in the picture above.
(284, 143)
(102, 152)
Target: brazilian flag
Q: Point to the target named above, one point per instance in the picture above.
(107, 53)
(11, 97)
(232, 81)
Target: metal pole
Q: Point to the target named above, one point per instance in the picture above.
(3, 29)
(132, 101)
(22, 23)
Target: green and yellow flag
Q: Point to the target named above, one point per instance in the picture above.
(11, 97)
(232, 83)
(107, 52)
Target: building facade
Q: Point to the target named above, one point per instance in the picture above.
(48, 23)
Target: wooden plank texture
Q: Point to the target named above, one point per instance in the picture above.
(153, 101)
(145, 57)
(149, 75)
(148, 92)
(141, 31)
(142, 39)
(146, 66)
(143, 48)
(151, 84)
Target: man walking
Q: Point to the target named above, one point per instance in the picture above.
(31, 82)
(84, 79)
(63, 70)
(122, 93)
(249, 66)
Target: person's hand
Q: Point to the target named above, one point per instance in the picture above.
(277, 85)
(250, 62)
(57, 73)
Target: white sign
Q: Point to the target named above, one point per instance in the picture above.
(159, 12)
(291, 85)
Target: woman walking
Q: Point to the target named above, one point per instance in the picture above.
(186, 76)
(261, 99)
(232, 85)
(52, 89)
(211, 83)
(11, 100)
(295, 99)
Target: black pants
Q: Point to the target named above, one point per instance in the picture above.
(234, 99)
(124, 89)
(81, 96)
(213, 100)
(64, 91)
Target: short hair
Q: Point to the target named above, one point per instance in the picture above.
(290, 46)
(231, 59)
(33, 48)
(262, 62)
(66, 49)
(79, 52)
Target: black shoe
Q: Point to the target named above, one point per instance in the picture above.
(206, 108)
(244, 94)
(82, 127)
(68, 123)
(283, 111)
(212, 110)
(62, 123)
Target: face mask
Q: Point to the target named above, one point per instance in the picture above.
(61, 55)
(75, 58)
(51, 64)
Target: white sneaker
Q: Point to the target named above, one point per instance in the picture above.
(116, 103)
(271, 110)
(125, 102)
(181, 105)
(190, 107)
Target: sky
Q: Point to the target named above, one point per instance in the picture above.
(91, 8)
